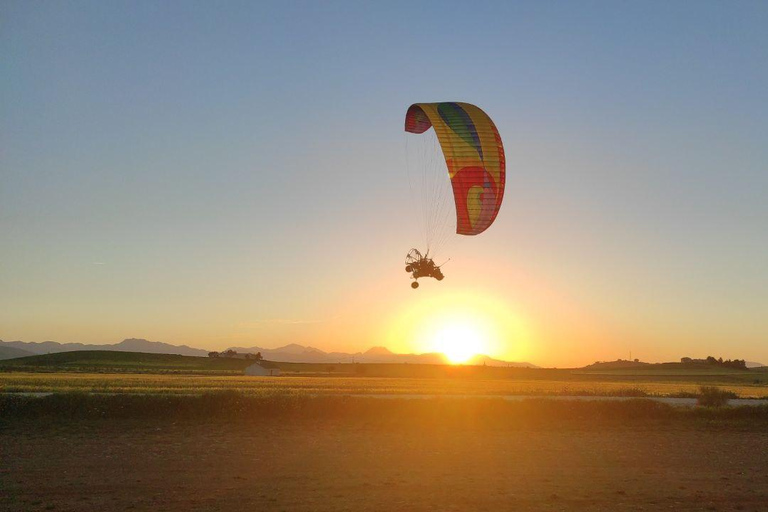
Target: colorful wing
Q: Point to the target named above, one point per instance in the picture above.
(474, 155)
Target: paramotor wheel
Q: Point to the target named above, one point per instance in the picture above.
(408, 268)
(415, 285)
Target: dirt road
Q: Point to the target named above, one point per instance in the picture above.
(269, 466)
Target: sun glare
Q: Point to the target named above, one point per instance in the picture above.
(459, 342)
(461, 325)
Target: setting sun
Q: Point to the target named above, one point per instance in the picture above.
(459, 342)
(461, 325)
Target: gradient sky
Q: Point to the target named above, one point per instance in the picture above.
(223, 173)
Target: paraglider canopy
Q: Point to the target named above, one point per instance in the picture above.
(474, 155)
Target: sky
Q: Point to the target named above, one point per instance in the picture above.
(233, 173)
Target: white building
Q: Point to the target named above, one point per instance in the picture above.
(263, 369)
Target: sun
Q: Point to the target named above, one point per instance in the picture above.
(458, 341)
(460, 324)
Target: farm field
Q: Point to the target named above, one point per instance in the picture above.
(135, 362)
(14, 382)
(331, 455)
(130, 372)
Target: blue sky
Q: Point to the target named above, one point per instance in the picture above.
(220, 173)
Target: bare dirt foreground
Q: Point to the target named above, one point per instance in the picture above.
(331, 466)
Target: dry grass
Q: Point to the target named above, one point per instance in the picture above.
(318, 385)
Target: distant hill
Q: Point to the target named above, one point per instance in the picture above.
(616, 365)
(122, 361)
(378, 351)
(7, 352)
(128, 345)
(483, 360)
(624, 364)
(295, 353)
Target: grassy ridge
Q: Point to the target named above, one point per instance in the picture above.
(113, 361)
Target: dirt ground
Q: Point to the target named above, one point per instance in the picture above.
(269, 466)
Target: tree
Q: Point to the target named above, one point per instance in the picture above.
(213, 354)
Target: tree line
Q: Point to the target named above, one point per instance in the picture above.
(739, 364)
(232, 354)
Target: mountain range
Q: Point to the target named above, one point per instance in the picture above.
(292, 353)
(295, 353)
